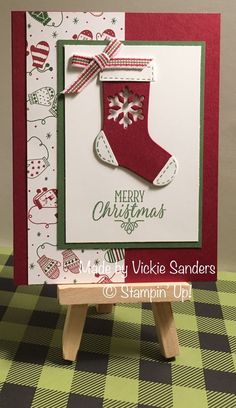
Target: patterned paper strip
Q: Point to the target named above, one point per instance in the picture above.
(41, 147)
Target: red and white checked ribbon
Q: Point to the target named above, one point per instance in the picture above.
(92, 66)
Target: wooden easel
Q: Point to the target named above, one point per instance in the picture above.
(77, 297)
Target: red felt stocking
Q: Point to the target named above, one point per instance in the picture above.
(124, 140)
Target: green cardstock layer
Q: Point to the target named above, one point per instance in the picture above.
(61, 229)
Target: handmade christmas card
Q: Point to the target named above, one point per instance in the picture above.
(115, 129)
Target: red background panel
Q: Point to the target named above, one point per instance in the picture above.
(19, 147)
(147, 27)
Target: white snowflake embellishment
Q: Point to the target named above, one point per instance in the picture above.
(126, 108)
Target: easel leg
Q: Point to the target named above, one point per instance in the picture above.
(73, 330)
(165, 329)
(105, 308)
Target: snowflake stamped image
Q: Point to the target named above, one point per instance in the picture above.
(126, 107)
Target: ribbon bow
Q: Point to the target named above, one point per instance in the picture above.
(93, 65)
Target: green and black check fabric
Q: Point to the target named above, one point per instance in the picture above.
(119, 363)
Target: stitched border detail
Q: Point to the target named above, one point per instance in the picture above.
(173, 161)
(120, 78)
(108, 149)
